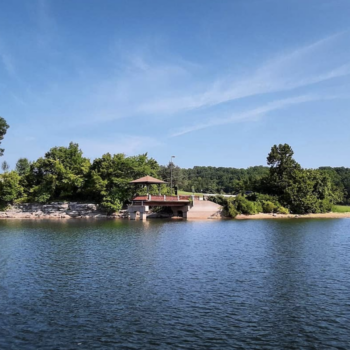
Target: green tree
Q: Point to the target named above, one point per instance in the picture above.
(340, 177)
(281, 159)
(61, 174)
(178, 177)
(110, 176)
(23, 166)
(282, 168)
(3, 129)
(10, 187)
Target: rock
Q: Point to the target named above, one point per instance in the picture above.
(59, 210)
(73, 214)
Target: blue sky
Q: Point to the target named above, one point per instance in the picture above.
(211, 82)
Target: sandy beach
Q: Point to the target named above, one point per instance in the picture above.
(262, 216)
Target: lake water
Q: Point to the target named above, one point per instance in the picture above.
(175, 285)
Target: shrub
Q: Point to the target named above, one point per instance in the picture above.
(258, 207)
(111, 206)
(245, 206)
(268, 207)
(258, 197)
(325, 206)
(111, 203)
(282, 210)
(232, 210)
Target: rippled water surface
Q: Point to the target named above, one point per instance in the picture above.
(175, 285)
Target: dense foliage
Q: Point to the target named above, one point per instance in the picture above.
(250, 204)
(109, 177)
(65, 174)
(60, 174)
(283, 187)
(287, 187)
(341, 181)
(214, 180)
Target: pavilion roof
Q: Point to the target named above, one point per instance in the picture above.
(147, 180)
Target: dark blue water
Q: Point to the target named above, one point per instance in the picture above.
(175, 285)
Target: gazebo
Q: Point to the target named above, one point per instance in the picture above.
(148, 180)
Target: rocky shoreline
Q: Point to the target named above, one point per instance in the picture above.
(58, 211)
(74, 210)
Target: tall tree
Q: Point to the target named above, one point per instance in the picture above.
(282, 167)
(281, 160)
(174, 173)
(23, 166)
(61, 174)
(3, 129)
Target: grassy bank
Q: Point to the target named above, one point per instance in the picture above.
(341, 209)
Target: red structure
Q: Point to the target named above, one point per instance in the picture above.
(168, 201)
(142, 204)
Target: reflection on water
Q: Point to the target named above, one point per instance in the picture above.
(171, 285)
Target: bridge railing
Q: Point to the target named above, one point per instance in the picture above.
(163, 198)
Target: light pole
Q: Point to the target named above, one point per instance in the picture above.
(171, 175)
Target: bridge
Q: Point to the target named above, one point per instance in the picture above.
(180, 205)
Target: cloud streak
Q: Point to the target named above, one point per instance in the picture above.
(300, 68)
(141, 86)
(253, 113)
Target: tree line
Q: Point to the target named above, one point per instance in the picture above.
(63, 173)
(258, 179)
(287, 187)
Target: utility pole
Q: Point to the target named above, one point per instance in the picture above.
(171, 175)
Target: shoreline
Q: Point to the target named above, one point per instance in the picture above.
(261, 216)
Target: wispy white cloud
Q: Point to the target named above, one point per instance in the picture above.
(303, 67)
(253, 113)
(140, 86)
(134, 81)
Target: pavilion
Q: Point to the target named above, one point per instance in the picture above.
(148, 180)
(142, 204)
